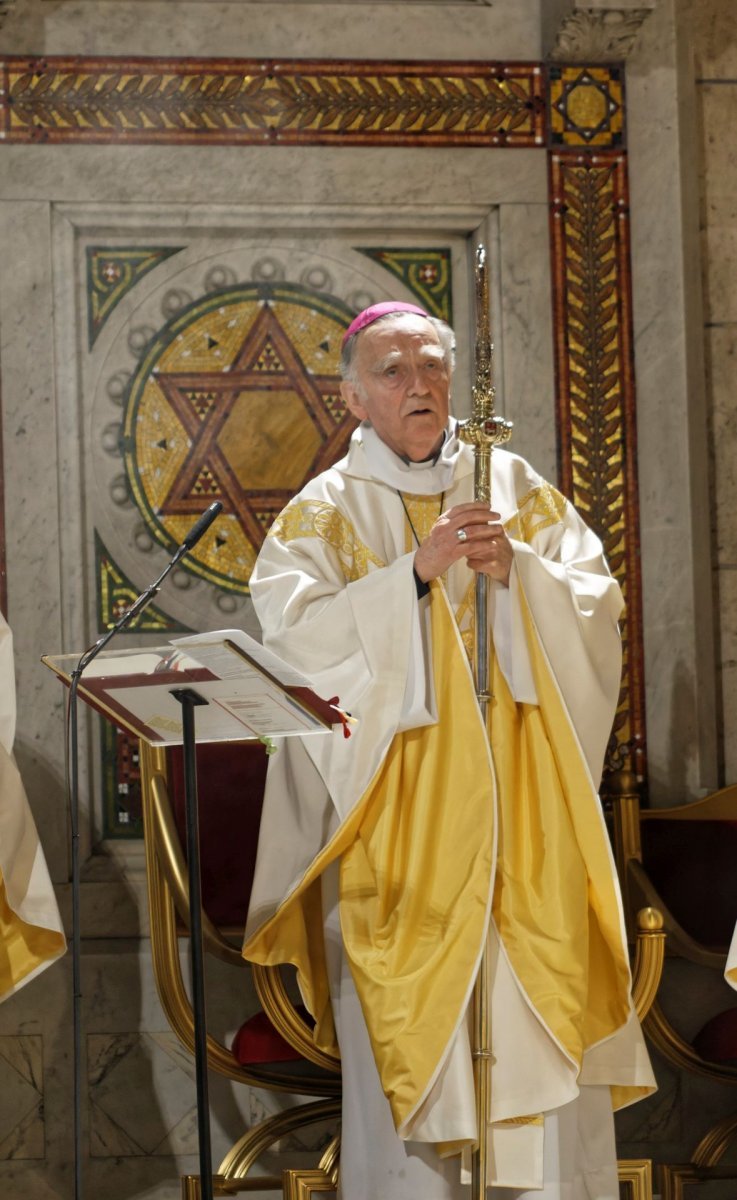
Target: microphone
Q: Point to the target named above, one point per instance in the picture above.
(198, 530)
(201, 526)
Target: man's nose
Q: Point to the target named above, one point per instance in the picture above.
(418, 385)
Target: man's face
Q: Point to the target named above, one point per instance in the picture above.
(403, 385)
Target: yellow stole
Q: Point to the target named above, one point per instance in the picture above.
(23, 947)
(556, 899)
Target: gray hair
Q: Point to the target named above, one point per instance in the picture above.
(446, 337)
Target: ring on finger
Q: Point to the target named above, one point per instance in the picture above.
(461, 535)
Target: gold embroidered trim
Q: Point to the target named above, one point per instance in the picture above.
(537, 1119)
(421, 513)
(315, 518)
(541, 507)
(466, 620)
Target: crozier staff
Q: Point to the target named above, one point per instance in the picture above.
(387, 862)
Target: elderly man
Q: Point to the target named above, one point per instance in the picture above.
(387, 861)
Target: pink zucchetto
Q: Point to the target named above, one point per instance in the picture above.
(371, 314)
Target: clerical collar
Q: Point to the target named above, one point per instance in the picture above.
(428, 478)
(426, 462)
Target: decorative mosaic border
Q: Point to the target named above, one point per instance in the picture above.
(586, 106)
(578, 112)
(596, 395)
(286, 102)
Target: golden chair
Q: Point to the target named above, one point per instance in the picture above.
(230, 784)
(682, 861)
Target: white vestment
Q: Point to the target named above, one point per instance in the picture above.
(730, 971)
(31, 934)
(335, 592)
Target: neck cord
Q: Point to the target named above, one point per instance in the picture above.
(406, 513)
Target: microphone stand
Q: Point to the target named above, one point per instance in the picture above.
(138, 606)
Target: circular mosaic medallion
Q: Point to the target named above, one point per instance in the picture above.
(236, 399)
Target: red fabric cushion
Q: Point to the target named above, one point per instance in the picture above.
(717, 1041)
(230, 792)
(257, 1041)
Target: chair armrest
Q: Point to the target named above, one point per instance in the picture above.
(649, 956)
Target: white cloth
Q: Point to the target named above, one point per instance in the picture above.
(28, 888)
(730, 971)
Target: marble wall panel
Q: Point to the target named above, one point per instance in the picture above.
(31, 507)
(525, 394)
(728, 663)
(348, 30)
(722, 361)
(671, 420)
(184, 176)
(21, 1097)
(131, 1052)
(115, 905)
(36, 1083)
(714, 26)
(139, 1098)
(720, 260)
(123, 1065)
(719, 192)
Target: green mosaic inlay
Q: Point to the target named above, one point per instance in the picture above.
(425, 272)
(115, 593)
(111, 272)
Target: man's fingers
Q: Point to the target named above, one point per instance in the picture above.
(475, 513)
(482, 534)
(469, 504)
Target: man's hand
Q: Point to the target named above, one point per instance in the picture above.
(485, 545)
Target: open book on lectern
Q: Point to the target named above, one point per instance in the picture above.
(250, 692)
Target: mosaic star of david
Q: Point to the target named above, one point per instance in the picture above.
(241, 405)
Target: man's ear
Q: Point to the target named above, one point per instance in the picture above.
(350, 394)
